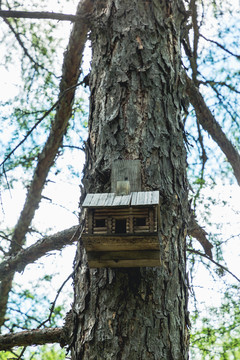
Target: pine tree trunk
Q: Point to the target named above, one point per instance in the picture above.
(135, 113)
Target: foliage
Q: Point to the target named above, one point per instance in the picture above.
(218, 334)
(42, 353)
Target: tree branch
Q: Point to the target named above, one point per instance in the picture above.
(18, 38)
(70, 74)
(213, 261)
(209, 123)
(194, 57)
(36, 251)
(39, 15)
(220, 83)
(32, 337)
(221, 46)
(195, 230)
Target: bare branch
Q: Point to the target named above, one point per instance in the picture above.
(55, 300)
(32, 337)
(221, 46)
(195, 230)
(5, 288)
(209, 123)
(39, 15)
(26, 52)
(213, 261)
(213, 83)
(36, 251)
(193, 58)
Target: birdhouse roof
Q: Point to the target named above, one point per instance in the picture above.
(140, 198)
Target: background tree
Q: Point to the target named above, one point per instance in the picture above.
(131, 117)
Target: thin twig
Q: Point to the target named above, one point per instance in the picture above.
(221, 46)
(38, 122)
(55, 300)
(19, 40)
(213, 261)
(63, 284)
(220, 83)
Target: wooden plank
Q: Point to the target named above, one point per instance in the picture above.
(142, 212)
(130, 221)
(140, 198)
(144, 198)
(98, 200)
(155, 198)
(114, 242)
(122, 200)
(100, 230)
(126, 170)
(151, 219)
(156, 218)
(90, 221)
(109, 200)
(120, 255)
(123, 188)
(109, 225)
(88, 200)
(143, 227)
(123, 263)
(124, 259)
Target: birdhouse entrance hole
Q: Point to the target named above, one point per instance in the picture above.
(121, 226)
(140, 221)
(100, 222)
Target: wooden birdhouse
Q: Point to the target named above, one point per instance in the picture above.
(121, 228)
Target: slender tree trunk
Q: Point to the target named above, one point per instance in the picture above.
(135, 113)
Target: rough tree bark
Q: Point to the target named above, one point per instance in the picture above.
(135, 113)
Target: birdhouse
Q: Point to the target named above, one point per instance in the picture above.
(121, 227)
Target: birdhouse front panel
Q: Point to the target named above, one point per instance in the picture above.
(122, 223)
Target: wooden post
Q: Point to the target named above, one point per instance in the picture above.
(151, 220)
(109, 225)
(90, 221)
(126, 170)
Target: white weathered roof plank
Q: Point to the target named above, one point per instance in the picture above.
(88, 200)
(145, 198)
(155, 197)
(109, 199)
(122, 200)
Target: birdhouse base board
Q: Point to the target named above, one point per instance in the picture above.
(118, 259)
(123, 242)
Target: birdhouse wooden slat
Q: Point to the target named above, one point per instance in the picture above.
(121, 228)
(126, 170)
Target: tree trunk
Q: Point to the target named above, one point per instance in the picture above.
(135, 113)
